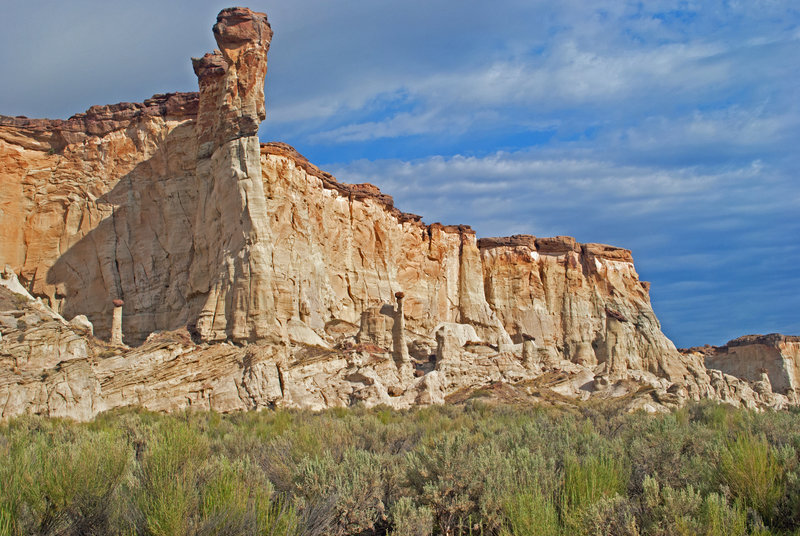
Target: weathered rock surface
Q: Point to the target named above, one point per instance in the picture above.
(583, 300)
(753, 356)
(769, 364)
(251, 278)
(86, 215)
(53, 367)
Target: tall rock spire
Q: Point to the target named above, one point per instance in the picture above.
(232, 239)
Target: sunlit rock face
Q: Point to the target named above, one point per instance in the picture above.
(584, 300)
(752, 357)
(341, 249)
(279, 285)
(232, 247)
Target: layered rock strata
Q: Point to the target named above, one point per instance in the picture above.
(296, 289)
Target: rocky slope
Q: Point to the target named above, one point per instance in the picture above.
(289, 286)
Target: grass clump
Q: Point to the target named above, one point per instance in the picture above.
(529, 512)
(753, 472)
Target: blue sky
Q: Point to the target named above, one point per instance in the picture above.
(667, 127)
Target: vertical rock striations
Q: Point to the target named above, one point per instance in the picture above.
(583, 300)
(101, 205)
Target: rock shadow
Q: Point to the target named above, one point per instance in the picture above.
(141, 250)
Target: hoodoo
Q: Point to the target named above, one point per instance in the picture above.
(116, 323)
(252, 278)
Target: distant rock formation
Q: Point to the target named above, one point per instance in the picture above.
(251, 278)
(769, 363)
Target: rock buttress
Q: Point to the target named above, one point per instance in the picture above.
(232, 239)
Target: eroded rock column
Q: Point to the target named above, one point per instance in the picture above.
(116, 323)
(233, 242)
(616, 363)
(399, 344)
(529, 354)
(447, 348)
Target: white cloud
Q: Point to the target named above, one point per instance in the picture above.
(513, 91)
(535, 178)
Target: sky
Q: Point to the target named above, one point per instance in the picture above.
(670, 128)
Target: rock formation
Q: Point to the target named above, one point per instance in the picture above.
(753, 357)
(232, 246)
(251, 278)
(116, 323)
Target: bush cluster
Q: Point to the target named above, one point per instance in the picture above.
(452, 470)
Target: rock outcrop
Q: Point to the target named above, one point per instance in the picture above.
(769, 364)
(753, 356)
(242, 276)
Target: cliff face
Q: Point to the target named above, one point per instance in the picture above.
(341, 249)
(773, 358)
(98, 206)
(584, 300)
(174, 207)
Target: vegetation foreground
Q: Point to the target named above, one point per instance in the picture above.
(471, 469)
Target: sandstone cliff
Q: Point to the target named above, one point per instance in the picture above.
(288, 281)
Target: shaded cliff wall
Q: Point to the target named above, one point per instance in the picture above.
(98, 207)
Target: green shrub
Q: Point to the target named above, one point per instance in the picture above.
(463, 479)
(608, 516)
(237, 500)
(411, 519)
(17, 468)
(529, 512)
(685, 512)
(354, 485)
(466, 470)
(6, 521)
(588, 480)
(61, 482)
(789, 507)
(753, 473)
(673, 451)
(166, 492)
(720, 519)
